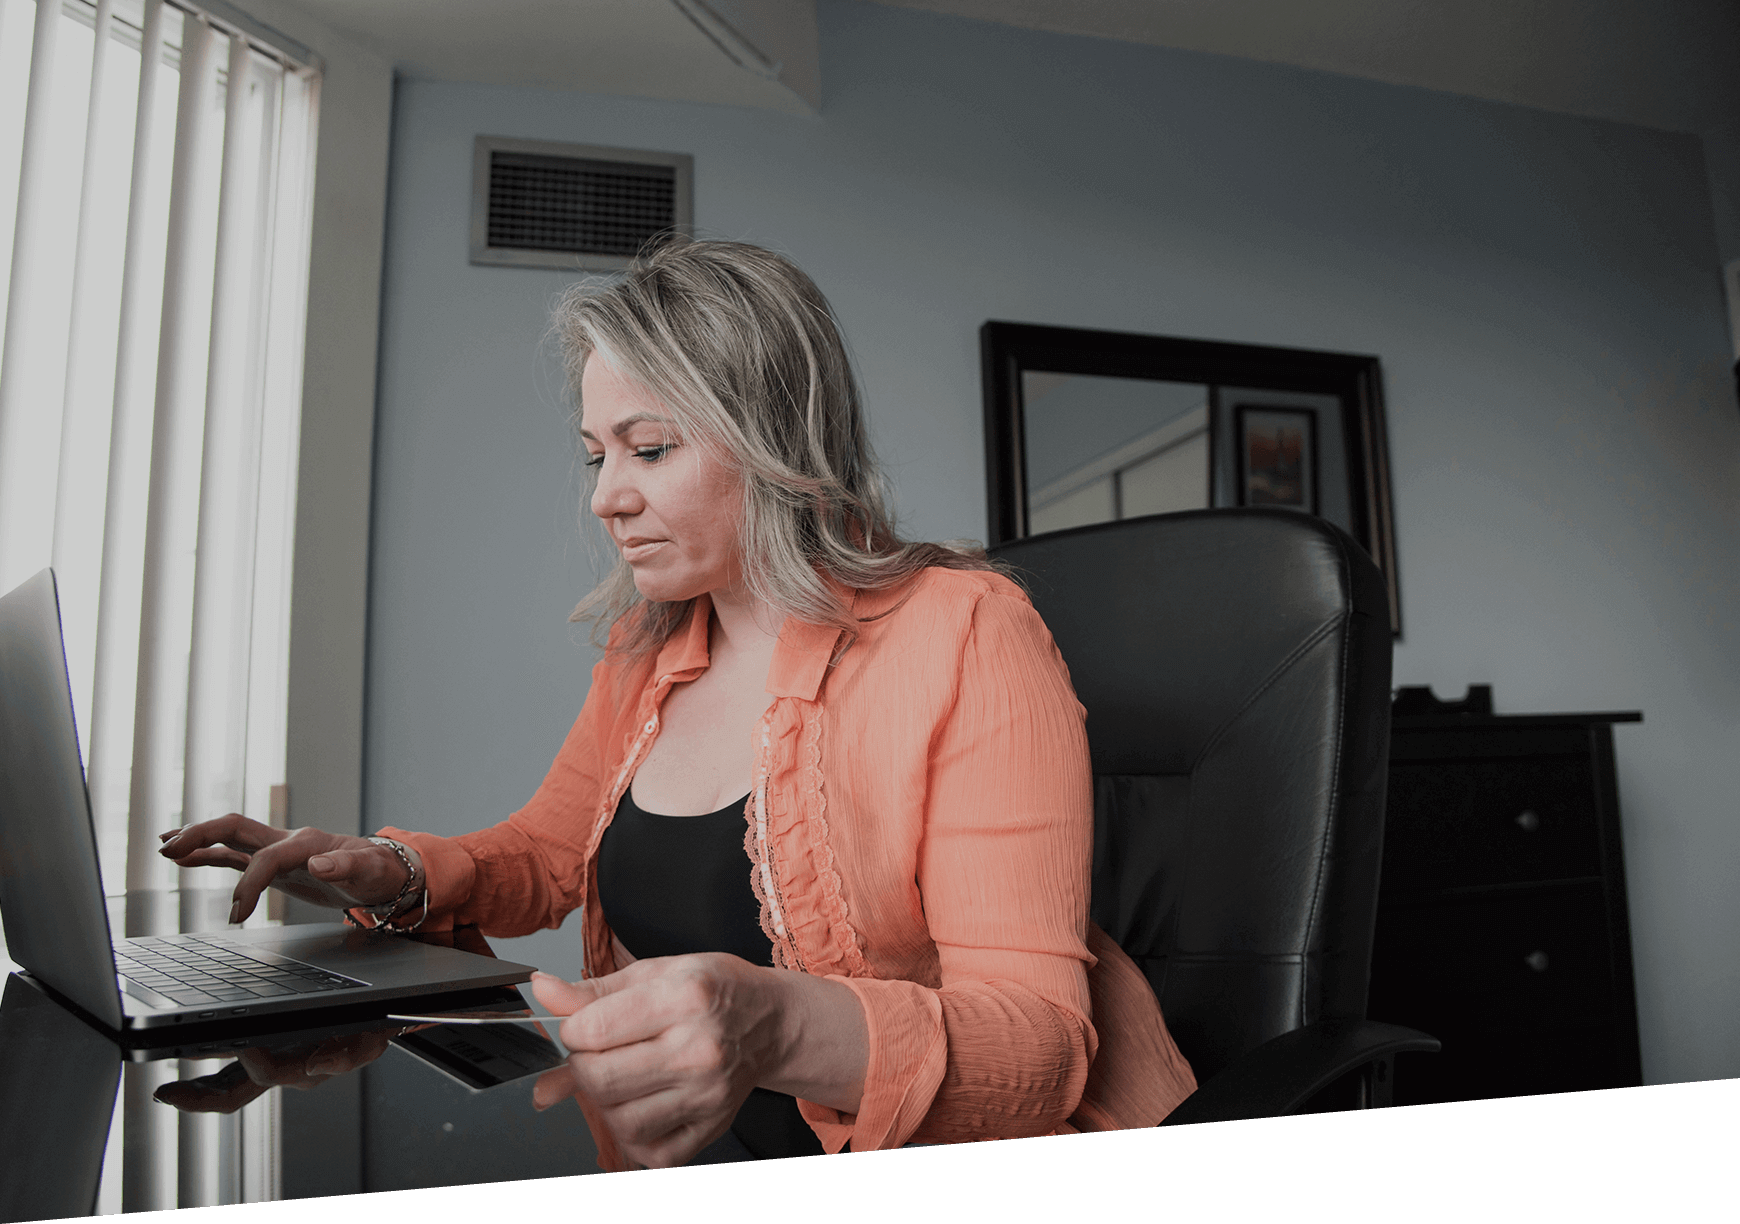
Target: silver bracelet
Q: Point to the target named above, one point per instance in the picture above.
(384, 915)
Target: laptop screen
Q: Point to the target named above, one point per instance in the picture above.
(51, 888)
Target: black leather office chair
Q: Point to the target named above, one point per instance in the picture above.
(1235, 666)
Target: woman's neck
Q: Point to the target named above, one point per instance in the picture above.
(742, 626)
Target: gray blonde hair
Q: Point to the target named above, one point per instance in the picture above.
(745, 354)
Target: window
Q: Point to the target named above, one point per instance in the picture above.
(155, 181)
(154, 211)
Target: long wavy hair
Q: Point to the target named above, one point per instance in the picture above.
(744, 353)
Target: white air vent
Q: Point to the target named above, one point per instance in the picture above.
(538, 204)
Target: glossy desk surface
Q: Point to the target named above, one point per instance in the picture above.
(91, 1127)
(345, 1102)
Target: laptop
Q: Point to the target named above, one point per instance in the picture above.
(51, 888)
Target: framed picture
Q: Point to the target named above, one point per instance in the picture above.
(1085, 426)
(1277, 457)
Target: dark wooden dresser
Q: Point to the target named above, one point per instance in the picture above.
(1502, 927)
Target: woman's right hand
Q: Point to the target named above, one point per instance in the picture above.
(312, 865)
(255, 1070)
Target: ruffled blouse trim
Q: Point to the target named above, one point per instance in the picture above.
(849, 944)
(803, 901)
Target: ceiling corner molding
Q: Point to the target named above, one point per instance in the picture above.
(738, 49)
(774, 40)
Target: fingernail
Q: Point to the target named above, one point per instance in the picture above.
(235, 913)
(539, 973)
(168, 835)
(320, 862)
(322, 1066)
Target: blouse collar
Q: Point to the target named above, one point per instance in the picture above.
(800, 660)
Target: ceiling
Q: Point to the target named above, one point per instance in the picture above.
(1661, 63)
(642, 48)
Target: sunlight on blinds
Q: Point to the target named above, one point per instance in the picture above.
(154, 175)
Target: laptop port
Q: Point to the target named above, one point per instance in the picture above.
(207, 1015)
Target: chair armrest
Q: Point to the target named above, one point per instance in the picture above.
(1281, 1075)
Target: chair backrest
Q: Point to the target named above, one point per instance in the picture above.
(1235, 667)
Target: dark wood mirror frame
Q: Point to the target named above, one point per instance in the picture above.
(1007, 350)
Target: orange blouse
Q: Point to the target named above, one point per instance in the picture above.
(920, 829)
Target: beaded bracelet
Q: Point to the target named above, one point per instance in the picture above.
(384, 915)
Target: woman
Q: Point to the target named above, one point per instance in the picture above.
(884, 729)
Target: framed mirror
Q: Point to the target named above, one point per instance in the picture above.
(1091, 426)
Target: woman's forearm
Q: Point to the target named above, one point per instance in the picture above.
(824, 1046)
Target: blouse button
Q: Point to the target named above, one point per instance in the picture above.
(651, 723)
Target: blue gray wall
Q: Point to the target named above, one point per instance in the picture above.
(1543, 292)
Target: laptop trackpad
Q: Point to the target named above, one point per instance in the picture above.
(375, 959)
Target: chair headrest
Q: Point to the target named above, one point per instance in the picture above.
(1173, 623)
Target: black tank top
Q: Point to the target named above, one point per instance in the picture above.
(670, 885)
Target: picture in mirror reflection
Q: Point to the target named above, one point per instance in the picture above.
(1277, 458)
(1098, 449)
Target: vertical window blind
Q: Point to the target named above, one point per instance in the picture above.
(156, 173)
(154, 189)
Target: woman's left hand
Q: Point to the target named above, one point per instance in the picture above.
(667, 1049)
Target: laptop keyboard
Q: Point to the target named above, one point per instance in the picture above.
(191, 971)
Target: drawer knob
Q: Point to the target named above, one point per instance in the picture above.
(1537, 961)
(1528, 822)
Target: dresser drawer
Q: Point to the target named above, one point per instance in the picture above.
(1523, 957)
(1458, 824)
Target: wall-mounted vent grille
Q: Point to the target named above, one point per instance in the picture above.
(573, 207)
(543, 203)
